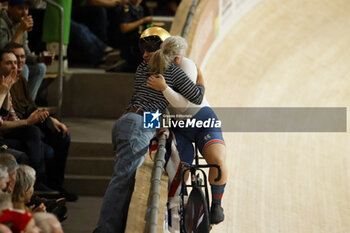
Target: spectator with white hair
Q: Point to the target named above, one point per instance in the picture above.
(24, 189)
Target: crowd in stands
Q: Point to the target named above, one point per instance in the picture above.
(20, 210)
(34, 144)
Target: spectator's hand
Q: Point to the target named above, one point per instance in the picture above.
(60, 127)
(37, 116)
(39, 208)
(27, 23)
(147, 19)
(8, 81)
(157, 82)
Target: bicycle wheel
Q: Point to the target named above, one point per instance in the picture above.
(196, 213)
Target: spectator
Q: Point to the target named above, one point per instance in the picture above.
(24, 189)
(9, 161)
(83, 10)
(132, 24)
(14, 26)
(54, 133)
(48, 223)
(97, 52)
(21, 134)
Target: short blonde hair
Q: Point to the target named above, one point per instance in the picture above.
(172, 47)
(25, 179)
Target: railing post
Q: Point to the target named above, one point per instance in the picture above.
(60, 55)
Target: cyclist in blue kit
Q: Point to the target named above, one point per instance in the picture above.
(209, 140)
(129, 137)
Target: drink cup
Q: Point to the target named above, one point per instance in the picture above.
(48, 57)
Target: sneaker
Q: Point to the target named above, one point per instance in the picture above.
(216, 214)
(111, 57)
(117, 67)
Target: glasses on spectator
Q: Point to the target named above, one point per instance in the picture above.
(20, 57)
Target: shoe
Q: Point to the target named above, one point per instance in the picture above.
(216, 214)
(68, 195)
(111, 57)
(117, 67)
(42, 190)
(108, 49)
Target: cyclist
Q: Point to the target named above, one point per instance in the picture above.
(209, 141)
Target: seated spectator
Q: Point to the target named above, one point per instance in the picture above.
(19, 221)
(9, 161)
(48, 223)
(132, 24)
(54, 133)
(83, 10)
(24, 189)
(97, 52)
(20, 134)
(52, 205)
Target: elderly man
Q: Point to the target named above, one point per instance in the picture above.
(15, 23)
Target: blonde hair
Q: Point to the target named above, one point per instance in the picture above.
(172, 47)
(25, 179)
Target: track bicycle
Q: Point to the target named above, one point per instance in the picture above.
(195, 216)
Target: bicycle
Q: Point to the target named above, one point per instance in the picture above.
(195, 217)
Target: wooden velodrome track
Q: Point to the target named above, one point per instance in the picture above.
(285, 54)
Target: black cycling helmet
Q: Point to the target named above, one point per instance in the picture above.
(151, 38)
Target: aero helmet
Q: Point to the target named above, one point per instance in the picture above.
(152, 38)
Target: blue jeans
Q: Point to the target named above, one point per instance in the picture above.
(84, 41)
(131, 143)
(34, 74)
